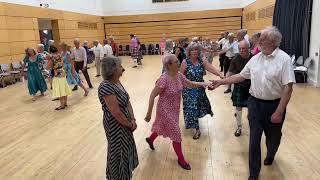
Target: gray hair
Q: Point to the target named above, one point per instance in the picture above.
(85, 43)
(51, 42)
(109, 66)
(245, 42)
(76, 40)
(193, 46)
(167, 59)
(41, 46)
(273, 34)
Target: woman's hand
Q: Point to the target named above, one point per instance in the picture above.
(134, 126)
(148, 117)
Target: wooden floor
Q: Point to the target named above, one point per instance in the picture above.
(38, 143)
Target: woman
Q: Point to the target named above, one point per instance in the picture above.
(255, 46)
(73, 77)
(118, 121)
(60, 87)
(36, 81)
(134, 50)
(195, 101)
(169, 88)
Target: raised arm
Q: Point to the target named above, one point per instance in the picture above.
(209, 67)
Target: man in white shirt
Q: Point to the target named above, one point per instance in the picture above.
(79, 55)
(222, 44)
(231, 48)
(107, 49)
(99, 54)
(272, 78)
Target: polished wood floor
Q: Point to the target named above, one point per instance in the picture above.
(38, 143)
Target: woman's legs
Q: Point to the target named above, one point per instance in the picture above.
(178, 149)
(151, 139)
(86, 91)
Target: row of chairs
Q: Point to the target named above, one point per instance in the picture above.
(150, 49)
(10, 73)
(301, 68)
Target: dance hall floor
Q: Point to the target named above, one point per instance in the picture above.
(38, 143)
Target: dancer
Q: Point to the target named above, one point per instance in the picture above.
(79, 55)
(240, 93)
(255, 43)
(272, 77)
(118, 121)
(195, 101)
(60, 87)
(99, 54)
(134, 51)
(36, 81)
(73, 77)
(169, 88)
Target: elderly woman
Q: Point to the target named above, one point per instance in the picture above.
(118, 121)
(36, 81)
(169, 88)
(255, 46)
(73, 77)
(195, 101)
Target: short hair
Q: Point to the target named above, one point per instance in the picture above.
(77, 40)
(53, 49)
(63, 45)
(51, 42)
(85, 42)
(273, 34)
(40, 46)
(193, 46)
(256, 35)
(245, 42)
(230, 35)
(167, 59)
(131, 35)
(26, 51)
(109, 66)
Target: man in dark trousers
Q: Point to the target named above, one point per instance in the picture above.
(272, 77)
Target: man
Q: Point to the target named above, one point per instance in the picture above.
(242, 35)
(79, 55)
(98, 54)
(107, 49)
(272, 77)
(240, 93)
(222, 45)
(114, 46)
(231, 49)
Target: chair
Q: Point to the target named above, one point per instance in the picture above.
(17, 70)
(5, 77)
(303, 70)
(150, 49)
(120, 52)
(143, 49)
(299, 61)
(127, 50)
(157, 49)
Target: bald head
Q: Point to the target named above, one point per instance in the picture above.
(244, 49)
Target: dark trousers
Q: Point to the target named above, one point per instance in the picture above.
(221, 60)
(259, 115)
(79, 66)
(226, 64)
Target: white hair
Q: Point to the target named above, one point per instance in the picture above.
(51, 42)
(77, 40)
(194, 46)
(273, 34)
(109, 66)
(85, 42)
(230, 35)
(40, 46)
(167, 59)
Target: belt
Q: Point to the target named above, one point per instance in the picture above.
(267, 101)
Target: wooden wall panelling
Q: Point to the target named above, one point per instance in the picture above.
(4, 49)
(173, 16)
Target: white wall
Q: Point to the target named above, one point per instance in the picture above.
(314, 72)
(93, 7)
(132, 7)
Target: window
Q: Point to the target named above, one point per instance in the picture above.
(162, 1)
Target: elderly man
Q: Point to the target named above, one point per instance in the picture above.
(240, 93)
(107, 49)
(272, 77)
(79, 55)
(222, 45)
(98, 54)
(242, 35)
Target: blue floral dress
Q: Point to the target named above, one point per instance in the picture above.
(195, 101)
(71, 79)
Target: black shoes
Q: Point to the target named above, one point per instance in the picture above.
(238, 132)
(186, 166)
(150, 144)
(75, 88)
(252, 178)
(268, 161)
(227, 91)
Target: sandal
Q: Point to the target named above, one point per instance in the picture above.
(197, 135)
(59, 108)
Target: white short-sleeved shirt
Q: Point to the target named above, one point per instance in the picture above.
(269, 74)
(98, 51)
(107, 50)
(233, 49)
